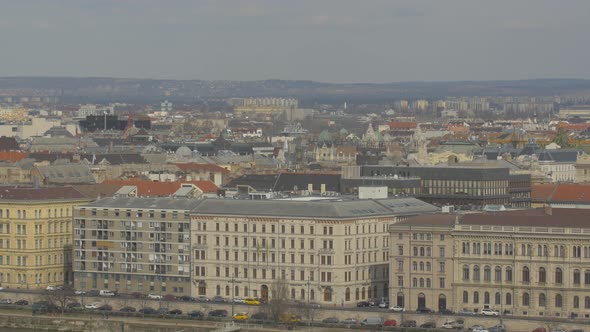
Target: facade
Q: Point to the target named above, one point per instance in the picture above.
(334, 252)
(36, 236)
(526, 263)
(559, 165)
(130, 244)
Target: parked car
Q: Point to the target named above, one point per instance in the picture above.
(490, 312)
(540, 329)
(331, 320)
(239, 300)
(218, 313)
(22, 302)
(397, 308)
(372, 321)
(107, 293)
(408, 323)
(474, 327)
(175, 312)
(259, 316)
(290, 318)
(6, 301)
(480, 329)
(74, 306)
(147, 311)
(169, 297)
(314, 305)
(446, 312)
(241, 316)
(51, 288)
(428, 325)
(383, 305)
(92, 306)
(577, 330)
(349, 321)
(424, 310)
(127, 309)
(466, 312)
(80, 292)
(136, 295)
(458, 324)
(251, 301)
(195, 314)
(154, 297)
(390, 322)
(1, 288)
(218, 299)
(187, 298)
(105, 307)
(497, 328)
(363, 304)
(203, 298)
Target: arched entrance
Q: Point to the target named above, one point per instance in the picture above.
(400, 299)
(264, 293)
(421, 301)
(328, 294)
(442, 302)
(202, 288)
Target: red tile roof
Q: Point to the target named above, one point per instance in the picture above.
(188, 167)
(542, 192)
(402, 125)
(152, 188)
(12, 156)
(571, 193)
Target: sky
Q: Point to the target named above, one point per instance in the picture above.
(342, 41)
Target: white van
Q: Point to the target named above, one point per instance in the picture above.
(373, 321)
(106, 292)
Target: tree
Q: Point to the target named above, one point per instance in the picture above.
(279, 302)
(60, 298)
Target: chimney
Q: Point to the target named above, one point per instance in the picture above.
(548, 210)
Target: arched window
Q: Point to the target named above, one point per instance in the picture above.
(218, 290)
(357, 294)
(347, 294)
(476, 273)
(558, 276)
(475, 297)
(328, 294)
(421, 251)
(509, 274)
(428, 266)
(428, 283)
(526, 277)
(561, 251)
(415, 251)
(498, 274)
(421, 266)
(487, 273)
(558, 301)
(587, 277)
(539, 250)
(509, 298)
(415, 266)
(576, 302)
(421, 282)
(542, 275)
(542, 300)
(227, 290)
(465, 297)
(587, 302)
(498, 298)
(414, 282)
(363, 293)
(576, 277)
(466, 272)
(526, 300)
(486, 298)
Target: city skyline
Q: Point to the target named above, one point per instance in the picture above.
(343, 41)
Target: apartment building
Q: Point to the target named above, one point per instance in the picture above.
(132, 244)
(36, 236)
(527, 263)
(335, 252)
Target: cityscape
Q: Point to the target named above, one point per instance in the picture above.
(203, 200)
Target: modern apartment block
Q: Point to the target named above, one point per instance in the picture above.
(527, 262)
(36, 236)
(335, 252)
(131, 244)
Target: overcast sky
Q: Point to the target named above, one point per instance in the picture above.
(322, 40)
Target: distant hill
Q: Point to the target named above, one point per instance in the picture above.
(152, 90)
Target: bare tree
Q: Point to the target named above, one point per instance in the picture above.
(60, 298)
(279, 302)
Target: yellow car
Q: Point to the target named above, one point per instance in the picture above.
(290, 318)
(252, 301)
(241, 316)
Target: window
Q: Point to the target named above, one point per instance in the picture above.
(576, 302)
(526, 299)
(509, 274)
(508, 298)
(487, 273)
(498, 274)
(526, 275)
(576, 277)
(498, 298)
(441, 282)
(542, 300)
(476, 297)
(558, 276)
(465, 297)
(476, 273)
(486, 298)
(558, 301)
(587, 302)
(542, 275)
(466, 272)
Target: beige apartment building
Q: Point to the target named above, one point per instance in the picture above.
(36, 236)
(334, 251)
(527, 263)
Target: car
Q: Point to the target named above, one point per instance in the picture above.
(349, 321)
(577, 330)
(397, 308)
(169, 297)
(187, 298)
(331, 320)
(22, 302)
(80, 292)
(458, 324)
(466, 312)
(218, 299)
(203, 298)
(154, 297)
(424, 310)
(136, 295)
(238, 300)
(408, 323)
(390, 322)
(195, 314)
(74, 306)
(558, 330)
(314, 305)
(240, 316)
(218, 313)
(497, 328)
(490, 312)
(106, 292)
(383, 305)
(446, 312)
(1, 288)
(428, 325)
(127, 309)
(43, 306)
(147, 311)
(372, 321)
(480, 330)
(251, 301)
(363, 304)
(175, 312)
(92, 306)
(540, 329)
(290, 318)
(105, 307)
(259, 316)
(51, 288)
(6, 301)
